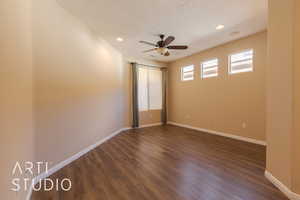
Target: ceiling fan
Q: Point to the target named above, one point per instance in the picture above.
(163, 47)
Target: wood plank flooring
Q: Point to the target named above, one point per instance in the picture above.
(168, 163)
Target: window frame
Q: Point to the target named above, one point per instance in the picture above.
(238, 52)
(148, 90)
(201, 68)
(182, 73)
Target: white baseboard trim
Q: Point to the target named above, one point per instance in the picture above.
(78, 155)
(71, 159)
(284, 189)
(150, 125)
(245, 139)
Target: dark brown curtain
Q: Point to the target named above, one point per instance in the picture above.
(164, 96)
(135, 102)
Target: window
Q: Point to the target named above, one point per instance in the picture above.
(209, 68)
(241, 62)
(155, 89)
(149, 89)
(187, 73)
(143, 89)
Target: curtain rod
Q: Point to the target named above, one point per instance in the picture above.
(146, 65)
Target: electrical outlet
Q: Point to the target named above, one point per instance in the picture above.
(244, 125)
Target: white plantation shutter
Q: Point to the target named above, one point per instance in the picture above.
(241, 62)
(209, 68)
(143, 89)
(149, 89)
(155, 89)
(187, 73)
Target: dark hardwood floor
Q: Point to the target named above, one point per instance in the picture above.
(168, 163)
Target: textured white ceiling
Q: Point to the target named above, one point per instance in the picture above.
(192, 22)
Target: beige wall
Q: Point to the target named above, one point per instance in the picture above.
(280, 90)
(79, 91)
(296, 136)
(16, 135)
(226, 102)
(150, 117)
(283, 99)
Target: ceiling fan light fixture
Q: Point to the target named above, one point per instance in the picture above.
(162, 50)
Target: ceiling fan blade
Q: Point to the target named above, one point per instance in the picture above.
(167, 54)
(179, 47)
(149, 43)
(168, 40)
(149, 50)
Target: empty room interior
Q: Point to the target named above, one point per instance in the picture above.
(150, 100)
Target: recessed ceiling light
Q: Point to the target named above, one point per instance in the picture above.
(120, 39)
(219, 27)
